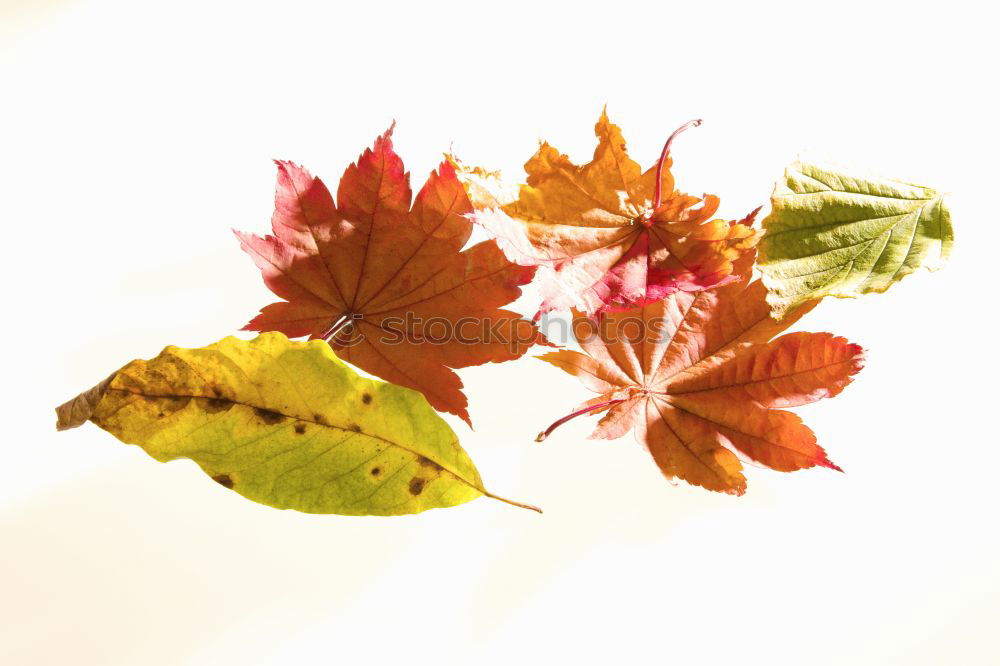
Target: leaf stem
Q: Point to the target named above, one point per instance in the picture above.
(530, 507)
(339, 324)
(548, 431)
(663, 158)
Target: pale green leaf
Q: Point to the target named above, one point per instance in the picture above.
(286, 424)
(833, 234)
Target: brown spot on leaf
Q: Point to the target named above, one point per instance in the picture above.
(300, 428)
(267, 416)
(427, 462)
(376, 471)
(172, 403)
(366, 398)
(318, 418)
(129, 382)
(213, 405)
(354, 427)
(417, 485)
(223, 480)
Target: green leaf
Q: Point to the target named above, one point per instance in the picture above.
(833, 234)
(286, 424)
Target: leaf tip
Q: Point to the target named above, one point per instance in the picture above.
(76, 412)
(829, 464)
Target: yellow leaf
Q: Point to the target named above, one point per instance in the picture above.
(286, 424)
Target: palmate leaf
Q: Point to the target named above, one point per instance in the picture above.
(382, 275)
(700, 376)
(833, 234)
(608, 235)
(286, 424)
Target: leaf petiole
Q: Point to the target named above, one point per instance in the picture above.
(586, 410)
(339, 324)
(657, 193)
(520, 505)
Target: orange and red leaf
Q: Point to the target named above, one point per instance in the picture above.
(604, 239)
(386, 281)
(699, 377)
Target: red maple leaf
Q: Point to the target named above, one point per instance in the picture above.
(388, 284)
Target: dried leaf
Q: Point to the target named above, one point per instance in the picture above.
(699, 379)
(387, 284)
(607, 237)
(832, 233)
(285, 424)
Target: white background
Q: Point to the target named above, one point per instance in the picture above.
(133, 136)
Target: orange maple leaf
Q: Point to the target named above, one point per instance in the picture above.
(386, 284)
(699, 378)
(614, 236)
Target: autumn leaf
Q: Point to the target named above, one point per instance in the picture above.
(387, 283)
(833, 233)
(700, 379)
(609, 235)
(286, 424)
